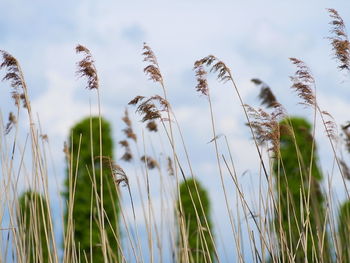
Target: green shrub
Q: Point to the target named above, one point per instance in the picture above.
(87, 224)
(300, 214)
(200, 244)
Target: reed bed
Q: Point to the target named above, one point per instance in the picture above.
(153, 172)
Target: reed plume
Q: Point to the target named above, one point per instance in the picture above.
(15, 76)
(152, 69)
(339, 40)
(216, 66)
(147, 107)
(152, 126)
(202, 83)
(128, 131)
(149, 161)
(266, 95)
(11, 122)
(345, 169)
(86, 68)
(266, 125)
(136, 100)
(118, 173)
(303, 82)
(330, 125)
(346, 132)
(127, 156)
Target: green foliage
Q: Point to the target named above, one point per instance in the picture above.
(294, 184)
(199, 242)
(85, 193)
(344, 230)
(34, 224)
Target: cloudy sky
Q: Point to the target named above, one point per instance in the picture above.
(254, 38)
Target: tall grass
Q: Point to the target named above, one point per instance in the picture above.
(268, 227)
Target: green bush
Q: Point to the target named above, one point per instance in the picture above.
(300, 209)
(85, 194)
(344, 231)
(200, 244)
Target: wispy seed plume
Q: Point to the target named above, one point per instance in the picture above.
(149, 161)
(152, 69)
(11, 122)
(128, 131)
(15, 77)
(216, 66)
(127, 156)
(266, 95)
(303, 83)
(86, 67)
(266, 126)
(339, 40)
(152, 126)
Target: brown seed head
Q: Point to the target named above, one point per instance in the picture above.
(86, 68)
(330, 125)
(170, 166)
(303, 82)
(149, 161)
(11, 122)
(152, 126)
(136, 100)
(266, 126)
(339, 40)
(345, 169)
(14, 76)
(152, 70)
(217, 66)
(266, 95)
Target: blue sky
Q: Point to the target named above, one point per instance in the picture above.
(254, 38)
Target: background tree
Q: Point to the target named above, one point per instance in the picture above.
(300, 201)
(34, 226)
(200, 244)
(344, 230)
(86, 207)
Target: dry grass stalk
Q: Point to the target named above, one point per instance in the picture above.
(339, 40)
(86, 68)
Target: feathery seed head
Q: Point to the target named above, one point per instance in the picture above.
(303, 82)
(152, 70)
(14, 76)
(339, 40)
(266, 95)
(86, 68)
